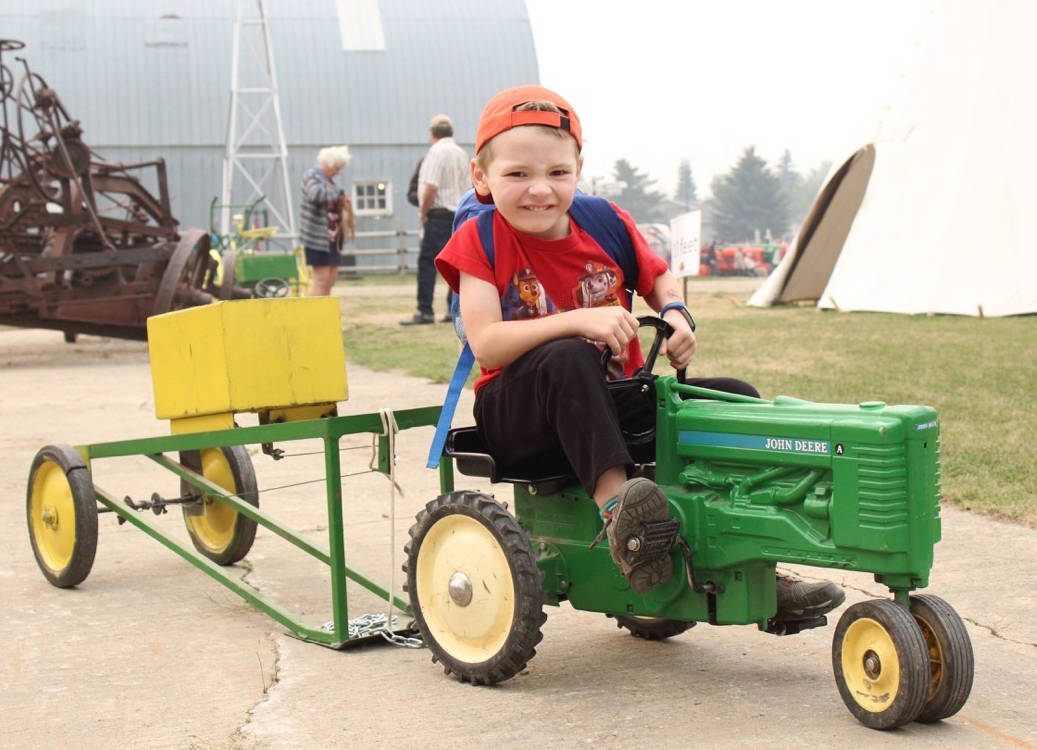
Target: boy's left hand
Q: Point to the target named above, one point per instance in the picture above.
(681, 345)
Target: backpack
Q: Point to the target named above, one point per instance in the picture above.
(596, 217)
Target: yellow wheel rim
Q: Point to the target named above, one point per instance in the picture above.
(465, 589)
(932, 644)
(871, 667)
(53, 516)
(214, 528)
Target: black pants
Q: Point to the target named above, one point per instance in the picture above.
(550, 409)
(437, 232)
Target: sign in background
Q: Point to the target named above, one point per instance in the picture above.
(685, 243)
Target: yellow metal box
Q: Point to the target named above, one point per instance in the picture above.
(247, 355)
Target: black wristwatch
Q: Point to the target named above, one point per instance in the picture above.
(683, 311)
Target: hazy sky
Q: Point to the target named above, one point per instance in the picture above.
(658, 80)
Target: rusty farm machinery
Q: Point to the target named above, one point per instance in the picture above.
(85, 247)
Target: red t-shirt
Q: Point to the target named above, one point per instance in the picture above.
(537, 277)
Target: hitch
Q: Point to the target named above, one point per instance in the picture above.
(157, 504)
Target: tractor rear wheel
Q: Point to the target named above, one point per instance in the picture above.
(652, 628)
(475, 588)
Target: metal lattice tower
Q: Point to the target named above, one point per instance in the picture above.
(255, 163)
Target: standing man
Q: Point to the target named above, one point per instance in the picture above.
(442, 178)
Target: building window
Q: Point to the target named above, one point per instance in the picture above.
(372, 198)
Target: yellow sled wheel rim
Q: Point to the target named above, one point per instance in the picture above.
(53, 514)
(871, 667)
(214, 528)
(465, 588)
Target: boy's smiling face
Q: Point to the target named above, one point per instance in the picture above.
(532, 177)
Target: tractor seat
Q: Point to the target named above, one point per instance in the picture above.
(547, 472)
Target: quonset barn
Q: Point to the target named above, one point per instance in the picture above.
(149, 79)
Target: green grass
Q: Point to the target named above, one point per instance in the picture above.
(978, 373)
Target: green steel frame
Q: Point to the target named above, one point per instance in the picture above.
(329, 430)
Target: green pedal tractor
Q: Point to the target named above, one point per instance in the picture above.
(752, 483)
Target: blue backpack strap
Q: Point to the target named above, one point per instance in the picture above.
(464, 362)
(467, 207)
(485, 223)
(446, 414)
(599, 219)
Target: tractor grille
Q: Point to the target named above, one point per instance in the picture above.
(882, 485)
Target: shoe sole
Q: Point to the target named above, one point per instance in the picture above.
(639, 501)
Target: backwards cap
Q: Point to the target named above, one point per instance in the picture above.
(500, 115)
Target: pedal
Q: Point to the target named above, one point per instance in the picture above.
(791, 627)
(652, 539)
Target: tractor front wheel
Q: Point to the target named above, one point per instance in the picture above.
(475, 588)
(881, 664)
(951, 663)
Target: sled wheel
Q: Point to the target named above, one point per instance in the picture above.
(652, 628)
(951, 663)
(881, 664)
(61, 510)
(219, 531)
(475, 588)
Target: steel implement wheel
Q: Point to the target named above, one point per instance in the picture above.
(475, 588)
(951, 663)
(652, 628)
(228, 267)
(61, 510)
(185, 275)
(219, 531)
(881, 664)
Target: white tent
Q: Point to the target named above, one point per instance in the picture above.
(937, 214)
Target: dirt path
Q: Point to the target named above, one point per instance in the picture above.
(148, 652)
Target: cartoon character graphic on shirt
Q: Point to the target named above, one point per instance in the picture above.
(598, 286)
(525, 297)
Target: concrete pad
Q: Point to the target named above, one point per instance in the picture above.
(149, 652)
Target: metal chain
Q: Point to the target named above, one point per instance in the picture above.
(369, 625)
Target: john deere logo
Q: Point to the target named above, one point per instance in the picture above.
(755, 442)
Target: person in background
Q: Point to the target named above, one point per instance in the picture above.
(320, 218)
(442, 179)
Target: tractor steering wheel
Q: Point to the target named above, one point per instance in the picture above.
(663, 330)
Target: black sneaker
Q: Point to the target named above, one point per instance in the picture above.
(800, 600)
(639, 501)
(418, 319)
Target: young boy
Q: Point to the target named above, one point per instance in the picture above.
(536, 316)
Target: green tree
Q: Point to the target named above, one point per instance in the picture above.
(787, 175)
(685, 194)
(638, 195)
(748, 199)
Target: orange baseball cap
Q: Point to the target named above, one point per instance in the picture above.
(499, 114)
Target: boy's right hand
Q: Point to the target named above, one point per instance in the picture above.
(612, 325)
